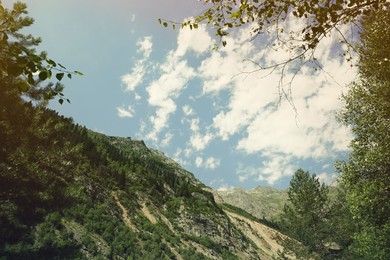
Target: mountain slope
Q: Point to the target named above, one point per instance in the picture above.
(261, 202)
(67, 192)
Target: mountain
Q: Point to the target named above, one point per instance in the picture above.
(265, 203)
(70, 193)
(261, 202)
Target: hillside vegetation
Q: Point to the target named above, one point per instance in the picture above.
(68, 192)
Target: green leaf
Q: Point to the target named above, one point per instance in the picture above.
(59, 64)
(24, 86)
(59, 76)
(61, 101)
(31, 65)
(165, 24)
(236, 15)
(43, 75)
(69, 75)
(47, 96)
(159, 21)
(51, 62)
(30, 79)
(79, 73)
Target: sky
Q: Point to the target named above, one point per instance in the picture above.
(201, 107)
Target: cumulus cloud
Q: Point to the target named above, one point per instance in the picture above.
(198, 41)
(175, 74)
(198, 141)
(198, 162)
(270, 170)
(132, 79)
(209, 163)
(145, 46)
(302, 127)
(125, 111)
(135, 77)
(244, 108)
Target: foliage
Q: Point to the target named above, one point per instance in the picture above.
(320, 17)
(57, 181)
(303, 217)
(20, 66)
(295, 27)
(366, 175)
(69, 193)
(318, 226)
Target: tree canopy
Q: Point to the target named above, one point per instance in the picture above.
(303, 217)
(319, 16)
(366, 175)
(297, 27)
(20, 65)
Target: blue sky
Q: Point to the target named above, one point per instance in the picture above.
(198, 106)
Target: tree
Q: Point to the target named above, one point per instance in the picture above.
(304, 216)
(296, 27)
(22, 70)
(320, 17)
(366, 175)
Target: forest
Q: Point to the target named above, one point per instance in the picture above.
(64, 188)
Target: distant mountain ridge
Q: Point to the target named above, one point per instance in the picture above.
(261, 202)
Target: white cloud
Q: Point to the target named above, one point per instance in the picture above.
(162, 92)
(187, 110)
(137, 97)
(245, 107)
(198, 41)
(167, 140)
(135, 77)
(198, 162)
(125, 112)
(212, 163)
(145, 46)
(137, 74)
(270, 170)
(328, 179)
(209, 163)
(284, 135)
(225, 187)
(194, 125)
(199, 142)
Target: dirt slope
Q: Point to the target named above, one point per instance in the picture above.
(265, 238)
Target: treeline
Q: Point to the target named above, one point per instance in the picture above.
(356, 225)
